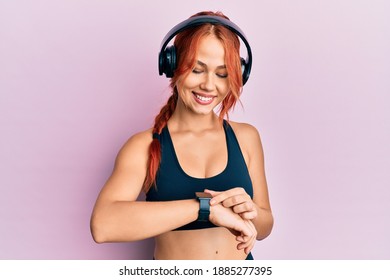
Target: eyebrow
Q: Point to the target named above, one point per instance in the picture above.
(205, 65)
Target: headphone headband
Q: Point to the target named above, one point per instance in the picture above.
(167, 55)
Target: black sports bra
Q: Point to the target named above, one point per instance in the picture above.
(174, 184)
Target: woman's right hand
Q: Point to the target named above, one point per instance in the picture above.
(244, 230)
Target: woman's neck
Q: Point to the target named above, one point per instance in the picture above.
(185, 120)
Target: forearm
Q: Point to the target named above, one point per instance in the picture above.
(263, 222)
(123, 221)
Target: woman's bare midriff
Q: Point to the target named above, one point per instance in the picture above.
(211, 243)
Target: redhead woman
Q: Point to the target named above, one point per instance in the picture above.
(203, 175)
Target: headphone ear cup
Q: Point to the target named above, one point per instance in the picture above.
(244, 71)
(169, 61)
(243, 64)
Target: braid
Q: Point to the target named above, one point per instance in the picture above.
(165, 114)
(160, 122)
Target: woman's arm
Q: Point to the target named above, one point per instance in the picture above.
(264, 220)
(118, 217)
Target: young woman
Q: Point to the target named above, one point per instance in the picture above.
(192, 149)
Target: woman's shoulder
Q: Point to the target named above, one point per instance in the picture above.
(137, 146)
(245, 131)
(247, 136)
(139, 139)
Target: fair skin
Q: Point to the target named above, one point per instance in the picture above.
(118, 217)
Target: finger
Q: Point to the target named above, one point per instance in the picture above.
(235, 191)
(213, 193)
(253, 241)
(242, 242)
(245, 230)
(250, 241)
(250, 246)
(244, 234)
(247, 242)
(236, 200)
(246, 206)
(231, 200)
(249, 215)
(235, 232)
(247, 246)
(226, 194)
(218, 198)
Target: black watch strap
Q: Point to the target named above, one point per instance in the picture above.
(204, 206)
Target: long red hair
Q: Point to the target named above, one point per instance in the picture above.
(186, 44)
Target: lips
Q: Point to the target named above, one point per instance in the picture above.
(203, 98)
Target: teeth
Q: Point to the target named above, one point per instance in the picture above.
(204, 99)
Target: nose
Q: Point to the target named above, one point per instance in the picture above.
(208, 82)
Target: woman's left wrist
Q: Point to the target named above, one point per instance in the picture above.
(204, 206)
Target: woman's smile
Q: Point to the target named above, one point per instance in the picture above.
(203, 99)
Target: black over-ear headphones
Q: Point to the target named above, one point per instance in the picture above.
(167, 57)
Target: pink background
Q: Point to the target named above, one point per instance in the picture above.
(77, 78)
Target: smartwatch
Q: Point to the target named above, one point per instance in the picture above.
(204, 206)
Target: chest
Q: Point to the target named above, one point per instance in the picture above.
(201, 156)
(191, 164)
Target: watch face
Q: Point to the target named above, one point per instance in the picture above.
(203, 195)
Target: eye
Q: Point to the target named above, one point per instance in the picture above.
(222, 75)
(197, 71)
